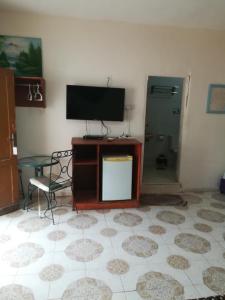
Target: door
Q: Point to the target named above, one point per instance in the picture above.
(162, 130)
(8, 160)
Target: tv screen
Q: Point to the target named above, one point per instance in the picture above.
(94, 103)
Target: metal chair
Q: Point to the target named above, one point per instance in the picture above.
(57, 176)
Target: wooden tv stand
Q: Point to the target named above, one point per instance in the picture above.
(87, 171)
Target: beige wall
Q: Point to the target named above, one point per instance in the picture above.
(86, 52)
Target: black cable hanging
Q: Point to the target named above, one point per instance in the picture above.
(107, 129)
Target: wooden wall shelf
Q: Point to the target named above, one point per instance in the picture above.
(87, 171)
(27, 88)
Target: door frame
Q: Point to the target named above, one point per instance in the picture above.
(183, 116)
(184, 106)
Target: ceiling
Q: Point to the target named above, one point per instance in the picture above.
(183, 13)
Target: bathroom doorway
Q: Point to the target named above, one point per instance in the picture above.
(162, 130)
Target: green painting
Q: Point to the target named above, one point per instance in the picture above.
(22, 54)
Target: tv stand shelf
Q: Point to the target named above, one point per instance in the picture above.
(87, 172)
(85, 162)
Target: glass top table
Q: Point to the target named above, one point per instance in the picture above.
(38, 162)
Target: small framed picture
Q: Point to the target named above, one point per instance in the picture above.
(216, 99)
(21, 54)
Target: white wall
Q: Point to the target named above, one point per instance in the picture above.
(86, 52)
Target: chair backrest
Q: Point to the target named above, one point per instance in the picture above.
(61, 169)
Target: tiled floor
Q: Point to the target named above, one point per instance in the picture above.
(147, 253)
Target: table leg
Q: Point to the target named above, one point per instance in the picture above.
(38, 171)
(21, 183)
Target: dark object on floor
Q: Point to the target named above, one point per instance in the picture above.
(161, 162)
(222, 186)
(162, 199)
(211, 298)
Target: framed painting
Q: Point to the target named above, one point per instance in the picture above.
(22, 54)
(216, 99)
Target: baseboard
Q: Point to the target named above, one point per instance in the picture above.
(8, 209)
(173, 188)
(200, 190)
(162, 188)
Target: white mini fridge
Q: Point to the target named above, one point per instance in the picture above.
(117, 177)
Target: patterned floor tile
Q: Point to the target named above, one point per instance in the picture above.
(69, 265)
(178, 262)
(156, 237)
(37, 266)
(117, 266)
(214, 279)
(171, 217)
(23, 255)
(119, 296)
(110, 280)
(139, 245)
(161, 255)
(39, 288)
(33, 224)
(169, 236)
(193, 243)
(157, 229)
(211, 215)
(82, 221)
(58, 287)
(159, 285)
(177, 274)
(7, 280)
(129, 280)
(194, 273)
(204, 291)
(132, 295)
(108, 232)
(215, 252)
(87, 288)
(127, 219)
(118, 239)
(16, 291)
(130, 259)
(190, 292)
(62, 244)
(84, 250)
(105, 242)
(101, 261)
(51, 272)
(56, 235)
(116, 248)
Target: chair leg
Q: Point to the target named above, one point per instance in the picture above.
(21, 183)
(46, 197)
(39, 206)
(50, 203)
(27, 198)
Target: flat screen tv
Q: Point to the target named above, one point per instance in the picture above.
(94, 103)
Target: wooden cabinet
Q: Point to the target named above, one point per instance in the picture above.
(9, 192)
(87, 171)
(30, 91)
